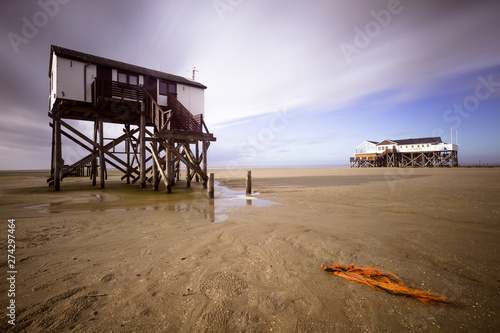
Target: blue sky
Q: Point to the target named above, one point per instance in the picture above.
(289, 82)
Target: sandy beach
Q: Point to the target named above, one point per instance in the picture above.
(125, 259)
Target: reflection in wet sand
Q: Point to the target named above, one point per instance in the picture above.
(213, 210)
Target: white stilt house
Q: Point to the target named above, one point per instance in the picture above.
(160, 112)
(421, 152)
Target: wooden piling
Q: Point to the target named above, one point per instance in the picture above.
(142, 143)
(188, 176)
(127, 151)
(156, 181)
(57, 154)
(211, 186)
(249, 182)
(204, 157)
(102, 166)
(197, 146)
(168, 167)
(94, 153)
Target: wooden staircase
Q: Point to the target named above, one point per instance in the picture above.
(176, 117)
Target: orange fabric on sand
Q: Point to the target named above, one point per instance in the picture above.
(382, 280)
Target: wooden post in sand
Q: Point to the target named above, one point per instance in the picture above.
(94, 153)
(58, 164)
(249, 182)
(204, 157)
(168, 166)
(101, 153)
(211, 186)
(142, 150)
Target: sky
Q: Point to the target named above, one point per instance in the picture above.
(290, 83)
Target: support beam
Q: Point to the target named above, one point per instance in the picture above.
(188, 169)
(168, 166)
(127, 152)
(52, 159)
(194, 166)
(102, 163)
(154, 154)
(142, 143)
(197, 158)
(156, 180)
(205, 147)
(58, 163)
(94, 153)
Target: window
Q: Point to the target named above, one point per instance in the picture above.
(172, 88)
(131, 79)
(163, 88)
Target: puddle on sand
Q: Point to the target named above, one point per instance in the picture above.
(190, 205)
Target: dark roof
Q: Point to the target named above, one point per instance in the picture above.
(410, 141)
(76, 55)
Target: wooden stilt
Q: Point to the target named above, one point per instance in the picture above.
(102, 163)
(211, 186)
(177, 170)
(142, 148)
(50, 181)
(197, 178)
(127, 152)
(156, 180)
(94, 153)
(57, 154)
(188, 169)
(168, 167)
(204, 157)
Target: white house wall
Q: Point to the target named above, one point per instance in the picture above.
(69, 80)
(53, 81)
(192, 98)
(72, 81)
(91, 73)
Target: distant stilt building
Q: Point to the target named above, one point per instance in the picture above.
(421, 152)
(161, 114)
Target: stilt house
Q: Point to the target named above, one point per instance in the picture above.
(421, 152)
(162, 115)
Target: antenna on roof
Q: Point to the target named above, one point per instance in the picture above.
(194, 71)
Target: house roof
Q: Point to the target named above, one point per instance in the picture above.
(410, 141)
(89, 58)
(435, 139)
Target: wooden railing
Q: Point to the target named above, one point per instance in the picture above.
(113, 89)
(182, 118)
(160, 118)
(176, 117)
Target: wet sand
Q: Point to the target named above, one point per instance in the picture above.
(151, 261)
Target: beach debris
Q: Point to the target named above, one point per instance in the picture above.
(385, 281)
(96, 295)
